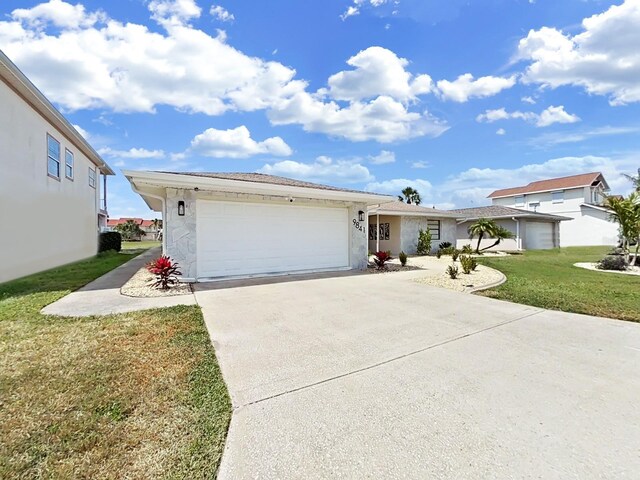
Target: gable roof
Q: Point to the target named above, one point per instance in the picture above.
(560, 183)
(21, 85)
(409, 209)
(498, 211)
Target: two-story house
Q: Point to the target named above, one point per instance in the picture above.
(579, 197)
(52, 186)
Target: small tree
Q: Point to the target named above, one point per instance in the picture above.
(424, 242)
(626, 212)
(130, 230)
(481, 228)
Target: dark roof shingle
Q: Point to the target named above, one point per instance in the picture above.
(497, 211)
(560, 183)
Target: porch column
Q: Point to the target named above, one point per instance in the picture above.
(377, 232)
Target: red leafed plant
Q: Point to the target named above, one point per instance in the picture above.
(381, 258)
(165, 270)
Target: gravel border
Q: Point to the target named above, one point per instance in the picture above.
(140, 286)
(632, 270)
(480, 279)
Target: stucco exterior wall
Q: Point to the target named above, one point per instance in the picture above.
(393, 244)
(46, 222)
(358, 255)
(411, 227)
(180, 231)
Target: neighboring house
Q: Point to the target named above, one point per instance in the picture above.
(222, 225)
(147, 226)
(53, 183)
(579, 197)
(395, 227)
(531, 230)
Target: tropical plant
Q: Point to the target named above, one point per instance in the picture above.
(474, 263)
(109, 241)
(635, 179)
(467, 249)
(465, 263)
(455, 254)
(438, 253)
(452, 271)
(165, 270)
(157, 226)
(424, 242)
(442, 245)
(410, 195)
(380, 259)
(626, 212)
(130, 230)
(485, 227)
(403, 258)
(446, 250)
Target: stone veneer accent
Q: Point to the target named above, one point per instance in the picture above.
(411, 227)
(180, 232)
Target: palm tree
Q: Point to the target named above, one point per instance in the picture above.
(499, 234)
(482, 227)
(157, 225)
(130, 230)
(635, 180)
(410, 196)
(626, 212)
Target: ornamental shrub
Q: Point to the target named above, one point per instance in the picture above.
(444, 245)
(424, 242)
(403, 258)
(612, 262)
(467, 249)
(452, 271)
(455, 254)
(465, 263)
(446, 250)
(380, 259)
(166, 272)
(109, 241)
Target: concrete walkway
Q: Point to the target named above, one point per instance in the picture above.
(377, 376)
(102, 296)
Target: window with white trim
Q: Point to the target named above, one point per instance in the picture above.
(434, 228)
(557, 197)
(68, 164)
(92, 177)
(520, 201)
(53, 157)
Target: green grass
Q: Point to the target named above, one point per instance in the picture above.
(136, 395)
(548, 279)
(143, 245)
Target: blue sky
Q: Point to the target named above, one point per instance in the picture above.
(455, 98)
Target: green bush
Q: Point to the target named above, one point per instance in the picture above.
(444, 245)
(465, 263)
(446, 250)
(612, 262)
(424, 242)
(438, 253)
(473, 262)
(403, 258)
(455, 254)
(452, 271)
(467, 249)
(109, 241)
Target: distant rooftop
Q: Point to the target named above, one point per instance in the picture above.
(409, 208)
(498, 211)
(573, 181)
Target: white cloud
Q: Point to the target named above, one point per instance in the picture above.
(603, 59)
(354, 9)
(547, 117)
(378, 71)
(465, 87)
(58, 13)
(137, 153)
(383, 157)
(528, 100)
(420, 164)
(555, 138)
(324, 169)
(501, 131)
(174, 12)
(82, 132)
(221, 13)
(236, 143)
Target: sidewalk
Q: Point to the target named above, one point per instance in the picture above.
(102, 296)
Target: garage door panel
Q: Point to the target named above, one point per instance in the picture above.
(236, 238)
(539, 235)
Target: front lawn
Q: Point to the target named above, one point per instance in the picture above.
(548, 279)
(142, 245)
(136, 395)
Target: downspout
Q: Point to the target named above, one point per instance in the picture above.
(377, 232)
(518, 239)
(164, 214)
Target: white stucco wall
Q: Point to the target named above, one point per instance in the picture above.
(588, 227)
(411, 227)
(509, 244)
(180, 231)
(45, 222)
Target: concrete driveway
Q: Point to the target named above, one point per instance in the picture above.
(377, 376)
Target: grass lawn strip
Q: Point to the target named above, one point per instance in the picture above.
(548, 279)
(122, 396)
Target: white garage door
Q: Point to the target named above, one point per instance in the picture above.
(237, 238)
(539, 235)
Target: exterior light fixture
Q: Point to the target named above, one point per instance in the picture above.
(360, 216)
(181, 208)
